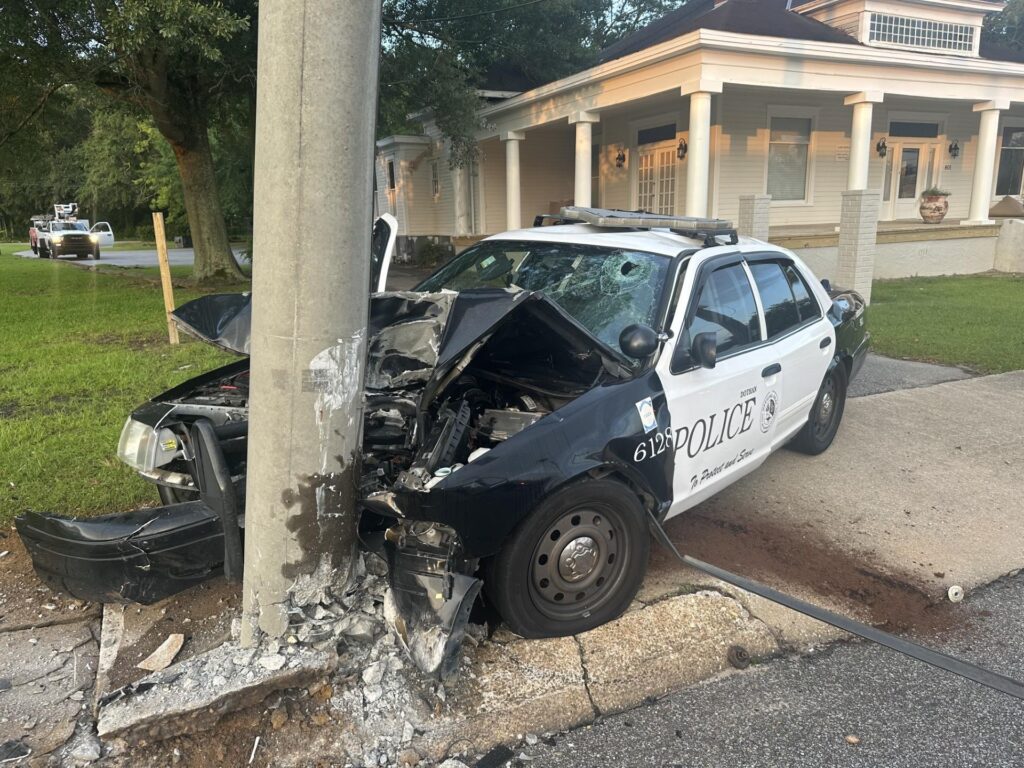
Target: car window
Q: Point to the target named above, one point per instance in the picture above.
(780, 312)
(725, 307)
(604, 289)
(806, 304)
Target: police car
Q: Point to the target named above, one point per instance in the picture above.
(531, 409)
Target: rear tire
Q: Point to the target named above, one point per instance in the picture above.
(575, 563)
(826, 414)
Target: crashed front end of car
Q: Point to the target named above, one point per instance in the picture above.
(468, 423)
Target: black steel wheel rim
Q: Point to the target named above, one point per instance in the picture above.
(827, 407)
(579, 562)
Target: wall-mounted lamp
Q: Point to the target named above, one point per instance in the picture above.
(681, 149)
(620, 159)
(881, 148)
(954, 149)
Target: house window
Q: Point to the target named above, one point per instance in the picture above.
(435, 179)
(920, 33)
(658, 133)
(1011, 162)
(789, 145)
(904, 129)
(391, 174)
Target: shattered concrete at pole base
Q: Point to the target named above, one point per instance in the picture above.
(193, 695)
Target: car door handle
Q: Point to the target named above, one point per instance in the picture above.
(825, 342)
(771, 370)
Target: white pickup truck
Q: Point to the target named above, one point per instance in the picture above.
(64, 234)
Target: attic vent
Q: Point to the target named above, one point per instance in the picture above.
(920, 33)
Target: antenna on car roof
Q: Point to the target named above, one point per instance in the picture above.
(706, 230)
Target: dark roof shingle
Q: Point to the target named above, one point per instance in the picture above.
(770, 18)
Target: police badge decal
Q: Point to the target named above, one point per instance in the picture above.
(768, 410)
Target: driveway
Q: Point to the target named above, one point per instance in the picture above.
(920, 492)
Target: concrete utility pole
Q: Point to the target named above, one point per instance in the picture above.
(315, 116)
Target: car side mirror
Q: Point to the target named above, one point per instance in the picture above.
(638, 341)
(705, 349)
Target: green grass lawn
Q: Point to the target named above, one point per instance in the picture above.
(974, 321)
(79, 349)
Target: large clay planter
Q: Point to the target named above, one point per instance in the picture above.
(934, 208)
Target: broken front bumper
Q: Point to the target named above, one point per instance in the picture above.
(141, 557)
(149, 554)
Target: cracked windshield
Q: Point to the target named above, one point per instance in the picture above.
(604, 289)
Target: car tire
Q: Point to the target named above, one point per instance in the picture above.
(826, 414)
(44, 253)
(575, 563)
(96, 254)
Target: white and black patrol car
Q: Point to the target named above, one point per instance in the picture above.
(530, 408)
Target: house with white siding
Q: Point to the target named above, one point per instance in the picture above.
(799, 100)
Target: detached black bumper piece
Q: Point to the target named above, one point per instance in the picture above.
(141, 556)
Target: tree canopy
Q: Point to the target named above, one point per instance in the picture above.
(181, 62)
(436, 53)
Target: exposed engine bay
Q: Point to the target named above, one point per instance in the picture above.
(428, 427)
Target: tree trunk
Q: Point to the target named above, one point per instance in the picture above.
(214, 260)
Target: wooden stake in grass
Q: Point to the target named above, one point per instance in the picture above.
(165, 274)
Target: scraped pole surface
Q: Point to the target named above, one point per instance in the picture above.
(165, 274)
(316, 104)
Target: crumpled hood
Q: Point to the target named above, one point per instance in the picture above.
(411, 334)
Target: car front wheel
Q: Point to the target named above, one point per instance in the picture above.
(826, 414)
(575, 563)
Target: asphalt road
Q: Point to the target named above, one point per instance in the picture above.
(143, 258)
(799, 711)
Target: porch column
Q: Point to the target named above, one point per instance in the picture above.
(698, 156)
(860, 137)
(460, 193)
(512, 194)
(985, 161)
(584, 122)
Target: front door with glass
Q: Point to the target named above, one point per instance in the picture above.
(656, 178)
(909, 171)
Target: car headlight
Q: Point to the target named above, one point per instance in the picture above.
(57, 240)
(94, 238)
(145, 448)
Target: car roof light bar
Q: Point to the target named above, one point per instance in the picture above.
(706, 230)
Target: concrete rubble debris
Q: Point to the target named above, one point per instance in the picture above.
(181, 699)
(88, 750)
(273, 662)
(162, 657)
